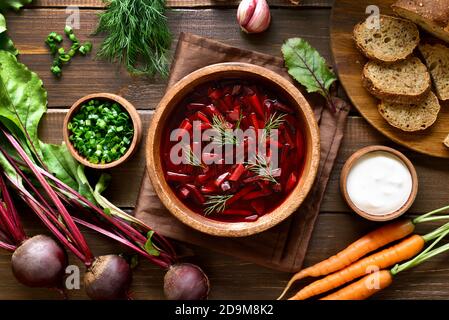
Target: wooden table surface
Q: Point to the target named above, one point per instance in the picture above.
(231, 278)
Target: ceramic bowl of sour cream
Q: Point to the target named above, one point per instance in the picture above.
(379, 183)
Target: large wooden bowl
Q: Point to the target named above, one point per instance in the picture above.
(172, 100)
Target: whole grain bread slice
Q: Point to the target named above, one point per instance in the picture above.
(437, 61)
(402, 82)
(411, 117)
(431, 15)
(394, 41)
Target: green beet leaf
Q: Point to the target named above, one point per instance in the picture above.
(23, 100)
(5, 41)
(307, 66)
(149, 246)
(2, 23)
(6, 44)
(13, 4)
(61, 163)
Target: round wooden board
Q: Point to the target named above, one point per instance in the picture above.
(349, 63)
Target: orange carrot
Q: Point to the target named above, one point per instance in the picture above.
(372, 241)
(404, 250)
(364, 288)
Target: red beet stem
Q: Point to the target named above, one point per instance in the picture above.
(8, 225)
(47, 208)
(7, 246)
(52, 194)
(13, 215)
(61, 237)
(161, 240)
(123, 241)
(118, 223)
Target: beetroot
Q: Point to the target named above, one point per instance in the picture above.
(186, 282)
(39, 262)
(108, 278)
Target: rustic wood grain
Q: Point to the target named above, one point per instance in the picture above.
(333, 232)
(349, 64)
(123, 190)
(84, 75)
(180, 3)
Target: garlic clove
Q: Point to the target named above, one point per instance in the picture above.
(253, 16)
(245, 11)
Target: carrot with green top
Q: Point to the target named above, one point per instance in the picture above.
(377, 281)
(368, 243)
(406, 249)
(372, 241)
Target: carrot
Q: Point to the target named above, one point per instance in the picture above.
(404, 250)
(364, 288)
(369, 285)
(372, 241)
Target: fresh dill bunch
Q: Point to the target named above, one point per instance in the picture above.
(137, 36)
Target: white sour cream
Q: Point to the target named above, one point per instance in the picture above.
(379, 183)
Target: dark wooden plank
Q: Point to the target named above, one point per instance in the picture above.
(333, 232)
(126, 179)
(180, 3)
(86, 75)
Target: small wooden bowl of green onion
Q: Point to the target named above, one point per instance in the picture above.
(102, 130)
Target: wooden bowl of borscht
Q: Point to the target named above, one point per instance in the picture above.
(233, 149)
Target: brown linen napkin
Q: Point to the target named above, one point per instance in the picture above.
(284, 246)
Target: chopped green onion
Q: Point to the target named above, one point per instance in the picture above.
(62, 57)
(85, 48)
(101, 131)
(68, 30)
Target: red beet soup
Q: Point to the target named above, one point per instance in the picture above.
(233, 150)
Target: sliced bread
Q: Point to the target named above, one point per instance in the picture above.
(446, 141)
(402, 82)
(431, 15)
(411, 117)
(394, 41)
(437, 61)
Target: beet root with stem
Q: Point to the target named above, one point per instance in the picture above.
(109, 278)
(186, 282)
(39, 262)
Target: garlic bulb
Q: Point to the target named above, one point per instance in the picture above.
(253, 16)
